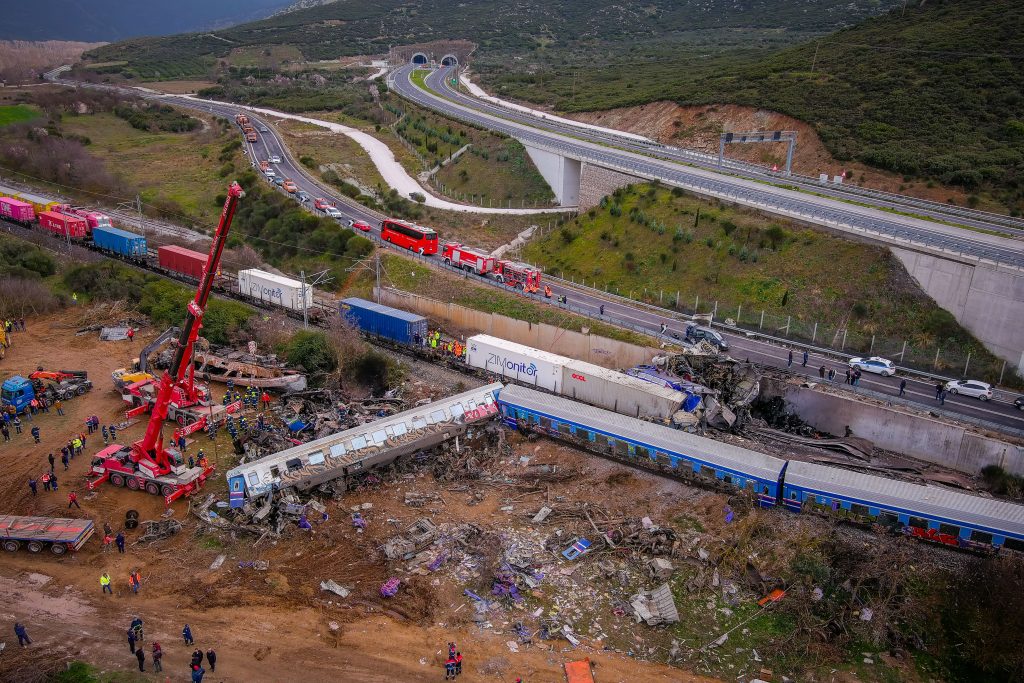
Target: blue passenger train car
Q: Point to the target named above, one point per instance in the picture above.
(632, 440)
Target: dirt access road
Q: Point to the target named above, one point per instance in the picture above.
(265, 626)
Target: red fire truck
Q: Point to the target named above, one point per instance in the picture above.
(518, 275)
(465, 258)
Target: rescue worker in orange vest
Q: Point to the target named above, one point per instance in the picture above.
(547, 291)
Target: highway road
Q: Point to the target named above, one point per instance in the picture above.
(920, 391)
(868, 222)
(440, 82)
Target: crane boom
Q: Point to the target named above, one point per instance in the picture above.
(150, 448)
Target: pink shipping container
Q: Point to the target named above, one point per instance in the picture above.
(182, 260)
(63, 224)
(16, 210)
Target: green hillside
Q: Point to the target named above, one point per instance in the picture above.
(933, 91)
(525, 29)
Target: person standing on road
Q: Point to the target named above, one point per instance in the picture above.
(856, 377)
(63, 460)
(135, 580)
(19, 630)
(59, 406)
(140, 654)
(789, 362)
(938, 391)
(197, 674)
(53, 482)
(105, 583)
(805, 358)
(113, 433)
(131, 640)
(186, 633)
(6, 432)
(942, 397)
(35, 434)
(17, 424)
(211, 657)
(848, 376)
(158, 654)
(106, 435)
(458, 663)
(197, 657)
(32, 485)
(88, 424)
(600, 310)
(52, 460)
(903, 386)
(119, 539)
(821, 372)
(73, 500)
(46, 481)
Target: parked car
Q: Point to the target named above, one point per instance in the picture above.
(302, 196)
(1019, 403)
(290, 186)
(264, 129)
(270, 173)
(321, 203)
(275, 159)
(360, 225)
(879, 366)
(970, 387)
(333, 212)
(278, 181)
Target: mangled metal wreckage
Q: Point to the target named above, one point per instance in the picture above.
(354, 451)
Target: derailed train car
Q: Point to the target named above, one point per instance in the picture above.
(361, 448)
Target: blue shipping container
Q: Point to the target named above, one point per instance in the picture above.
(120, 242)
(384, 321)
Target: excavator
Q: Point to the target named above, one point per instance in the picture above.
(147, 464)
(140, 367)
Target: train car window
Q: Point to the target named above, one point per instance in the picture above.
(565, 428)
(918, 522)
(765, 490)
(437, 416)
(601, 439)
(642, 452)
(399, 429)
(294, 464)
(888, 518)
(379, 437)
(419, 423)
(358, 443)
(274, 472)
(254, 479)
(545, 423)
(949, 529)
(316, 458)
(727, 478)
(457, 410)
(861, 510)
(707, 471)
(583, 434)
(750, 485)
(1014, 544)
(337, 450)
(794, 495)
(981, 537)
(622, 448)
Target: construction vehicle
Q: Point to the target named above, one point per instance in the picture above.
(139, 372)
(147, 464)
(466, 258)
(18, 392)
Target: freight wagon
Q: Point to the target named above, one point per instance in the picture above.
(17, 210)
(36, 533)
(384, 321)
(94, 219)
(576, 379)
(121, 242)
(64, 225)
(275, 289)
(181, 260)
(39, 204)
(516, 362)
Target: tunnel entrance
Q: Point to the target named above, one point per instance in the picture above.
(419, 58)
(449, 60)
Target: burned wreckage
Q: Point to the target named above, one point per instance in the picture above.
(350, 453)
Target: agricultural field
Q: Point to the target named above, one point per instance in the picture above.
(17, 113)
(185, 169)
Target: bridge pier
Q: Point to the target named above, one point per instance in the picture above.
(561, 172)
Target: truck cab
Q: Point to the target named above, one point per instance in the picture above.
(17, 392)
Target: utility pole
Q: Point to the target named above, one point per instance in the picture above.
(320, 278)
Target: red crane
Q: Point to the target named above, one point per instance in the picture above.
(147, 464)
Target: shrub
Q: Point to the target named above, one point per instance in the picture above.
(312, 350)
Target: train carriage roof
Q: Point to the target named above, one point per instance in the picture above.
(657, 437)
(930, 502)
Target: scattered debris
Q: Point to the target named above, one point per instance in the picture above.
(330, 585)
(655, 607)
(216, 564)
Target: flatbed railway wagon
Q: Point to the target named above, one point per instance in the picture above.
(37, 533)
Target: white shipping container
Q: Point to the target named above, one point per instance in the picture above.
(618, 392)
(516, 362)
(274, 289)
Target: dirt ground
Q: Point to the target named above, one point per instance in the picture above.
(265, 625)
(699, 127)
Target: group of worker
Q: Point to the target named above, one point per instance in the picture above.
(434, 340)
(14, 325)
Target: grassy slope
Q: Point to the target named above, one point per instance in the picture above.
(933, 92)
(16, 113)
(182, 167)
(810, 276)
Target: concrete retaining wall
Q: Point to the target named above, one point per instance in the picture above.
(914, 435)
(986, 300)
(597, 182)
(562, 174)
(608, 353)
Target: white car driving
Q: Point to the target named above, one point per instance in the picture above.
(879, 366)
(275, 159)
(333, 212)
(970, 387)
